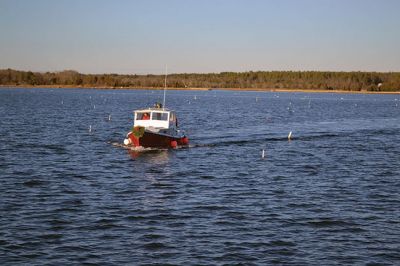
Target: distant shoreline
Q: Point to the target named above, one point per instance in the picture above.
(195, 89)
(284, 81)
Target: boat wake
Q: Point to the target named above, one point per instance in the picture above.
(143, 149)
(303, 136)
(222, 141)
(138, 149)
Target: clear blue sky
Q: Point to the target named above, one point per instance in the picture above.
(142, 36)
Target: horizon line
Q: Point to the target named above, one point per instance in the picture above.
(198, 73)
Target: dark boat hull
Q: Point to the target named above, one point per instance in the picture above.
(157, 140)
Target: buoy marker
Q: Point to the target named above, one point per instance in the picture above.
(263, 154)
(109, 117)
(90, 128)
(290, 135)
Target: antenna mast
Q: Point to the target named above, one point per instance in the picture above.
(165, 86)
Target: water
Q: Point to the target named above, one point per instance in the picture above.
(330, 196)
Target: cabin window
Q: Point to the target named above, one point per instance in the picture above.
(159, 116)
(172, 117)
(143, 116)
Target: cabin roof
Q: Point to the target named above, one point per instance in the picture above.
(165, 110)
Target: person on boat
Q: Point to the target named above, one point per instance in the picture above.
(145, 116)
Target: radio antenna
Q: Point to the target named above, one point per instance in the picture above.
(165, 85)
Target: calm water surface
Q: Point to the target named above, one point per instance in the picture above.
(330, 196)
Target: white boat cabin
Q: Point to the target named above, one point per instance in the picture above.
(155, 119)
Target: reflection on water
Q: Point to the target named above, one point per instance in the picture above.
(153, 156)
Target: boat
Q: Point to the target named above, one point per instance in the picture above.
(156, 127)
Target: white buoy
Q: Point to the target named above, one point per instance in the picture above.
(290, 135)
(126, 141)
(263, 154)
(109, 117)
(90, 128)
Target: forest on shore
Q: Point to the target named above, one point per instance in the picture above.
(300, 80)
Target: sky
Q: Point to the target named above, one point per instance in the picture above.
(202, 36)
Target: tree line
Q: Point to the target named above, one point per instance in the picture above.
(305, 80)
